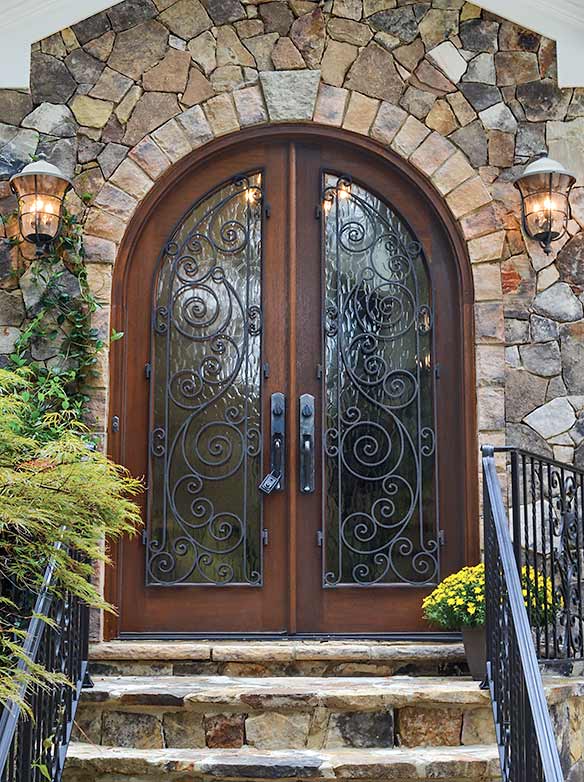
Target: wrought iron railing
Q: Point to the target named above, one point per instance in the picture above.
(33, 743)
(525, 736)
(547, 527)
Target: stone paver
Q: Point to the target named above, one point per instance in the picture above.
(459, 763)
(278, 651)
(272, 693)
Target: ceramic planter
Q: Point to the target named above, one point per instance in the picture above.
(475, 647)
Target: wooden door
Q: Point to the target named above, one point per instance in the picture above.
(309, 269)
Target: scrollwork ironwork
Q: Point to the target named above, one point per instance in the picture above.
(547, 513)
(380, 509)
(204, 517)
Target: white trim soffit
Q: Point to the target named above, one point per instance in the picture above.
(22, 22)
(560, 20)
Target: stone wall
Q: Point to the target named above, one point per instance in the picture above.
(466, 96)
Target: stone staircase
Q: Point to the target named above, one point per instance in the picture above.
(285, 710)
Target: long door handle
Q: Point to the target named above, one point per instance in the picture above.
(306, 443)
(274, 480)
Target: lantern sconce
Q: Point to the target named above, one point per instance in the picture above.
(544, 187)
(40, 189)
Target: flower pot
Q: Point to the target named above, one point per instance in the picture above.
(475, 647)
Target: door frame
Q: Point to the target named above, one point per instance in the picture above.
(214, 149)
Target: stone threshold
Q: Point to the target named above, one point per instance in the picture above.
(298, 693)
(447, 763)
(277, 651)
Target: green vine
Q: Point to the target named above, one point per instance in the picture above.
(60, 385)
(47, 459)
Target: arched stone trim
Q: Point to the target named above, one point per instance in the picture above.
(298, 96)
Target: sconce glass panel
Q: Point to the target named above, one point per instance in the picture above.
(545, 188)
(40, 195)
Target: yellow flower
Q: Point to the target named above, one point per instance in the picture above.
(471, 608)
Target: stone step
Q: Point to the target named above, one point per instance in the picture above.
(276, 658)
(284, 712)
(294, 712)
(86, 763)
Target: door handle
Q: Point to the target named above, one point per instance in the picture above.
(274, 480)
(306, 444)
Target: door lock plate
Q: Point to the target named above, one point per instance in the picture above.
(274, 480)
(306, 443)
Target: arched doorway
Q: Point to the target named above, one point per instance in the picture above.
(293, 303)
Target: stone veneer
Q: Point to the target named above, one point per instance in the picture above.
(468, 98)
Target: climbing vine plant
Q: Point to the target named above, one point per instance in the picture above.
(63, 323)
(47, 459)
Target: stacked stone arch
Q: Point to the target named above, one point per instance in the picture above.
(465, 97)
(299, 97)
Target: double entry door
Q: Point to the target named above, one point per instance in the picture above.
(293, 393)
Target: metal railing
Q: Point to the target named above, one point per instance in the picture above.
(33, 746)
(547, 515)
(525, 737)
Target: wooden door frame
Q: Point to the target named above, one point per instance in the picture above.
(315, 132)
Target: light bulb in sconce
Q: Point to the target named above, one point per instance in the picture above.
(548, 204)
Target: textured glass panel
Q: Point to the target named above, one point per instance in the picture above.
(380, 509)
(205, 434)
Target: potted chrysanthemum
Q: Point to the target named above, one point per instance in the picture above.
(458, 603)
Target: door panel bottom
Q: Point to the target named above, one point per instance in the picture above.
(430, 636)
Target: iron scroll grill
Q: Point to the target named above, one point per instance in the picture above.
(204, 511)
(525, 737)
(380, 493)
(33, 747)
(547, 517)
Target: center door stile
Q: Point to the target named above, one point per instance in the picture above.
(307, 357)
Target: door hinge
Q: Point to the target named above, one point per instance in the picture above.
(116, 424)
(266, 370)
(148, 371)
(265, 537)
(319, 538)
(267, 210)
(318, 212)
(144, 537)
(319, 371)
(441, 537)
(437, 371)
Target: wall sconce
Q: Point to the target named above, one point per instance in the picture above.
(40, 189)
(545, 187)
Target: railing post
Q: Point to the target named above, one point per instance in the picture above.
(87, 682)
(489, 580)
(515, 507)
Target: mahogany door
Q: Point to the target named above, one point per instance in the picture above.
(291, 308)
